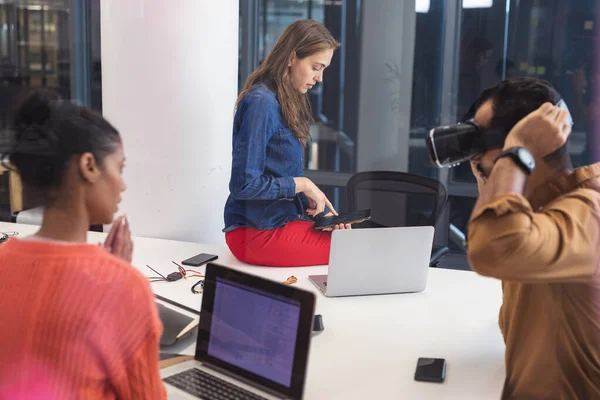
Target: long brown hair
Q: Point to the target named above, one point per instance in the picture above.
(302, 38)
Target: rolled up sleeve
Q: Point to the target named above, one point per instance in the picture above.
(509, 241)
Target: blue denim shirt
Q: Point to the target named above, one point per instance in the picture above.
(266, 158)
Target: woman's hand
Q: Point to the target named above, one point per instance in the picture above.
(339, 227)
(119, 242)
(318, 200)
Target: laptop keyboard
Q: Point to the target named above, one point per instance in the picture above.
(206, 386)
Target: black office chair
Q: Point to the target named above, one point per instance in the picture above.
(398, 199)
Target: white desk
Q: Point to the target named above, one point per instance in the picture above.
(370, 344)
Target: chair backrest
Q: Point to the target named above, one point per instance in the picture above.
(396, 199)
(15, 187)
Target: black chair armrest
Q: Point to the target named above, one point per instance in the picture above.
(436, 255)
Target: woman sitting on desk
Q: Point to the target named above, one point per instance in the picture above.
(267, 213)
(77, 321)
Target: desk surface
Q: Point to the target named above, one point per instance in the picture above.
(370, 344)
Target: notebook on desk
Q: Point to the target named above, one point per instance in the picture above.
(253, 340)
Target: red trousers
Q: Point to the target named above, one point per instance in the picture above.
(296, 244)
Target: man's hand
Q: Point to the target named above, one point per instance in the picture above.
(479, 176)
(542, 132)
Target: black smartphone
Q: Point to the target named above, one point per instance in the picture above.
(431, 370)
(199, 260)
(350, 218)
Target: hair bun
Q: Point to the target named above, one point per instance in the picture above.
(33, 132)
(48, 132)
(35, 109)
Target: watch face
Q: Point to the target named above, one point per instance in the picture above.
(526, 158)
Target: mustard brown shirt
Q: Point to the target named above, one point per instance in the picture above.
(545, 249)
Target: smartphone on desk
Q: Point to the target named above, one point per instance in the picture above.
(431, 370)
(350, 218)
(199, 260)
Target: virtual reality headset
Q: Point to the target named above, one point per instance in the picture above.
(448, 146)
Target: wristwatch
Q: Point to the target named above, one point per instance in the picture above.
(521, 156)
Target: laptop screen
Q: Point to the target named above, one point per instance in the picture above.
(254, 330)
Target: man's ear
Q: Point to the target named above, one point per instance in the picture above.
(88, 168)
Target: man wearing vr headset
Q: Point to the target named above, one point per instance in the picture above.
(536, 226)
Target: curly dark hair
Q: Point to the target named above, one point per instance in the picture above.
(513, 100)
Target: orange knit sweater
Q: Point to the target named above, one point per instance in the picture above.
(75, 323)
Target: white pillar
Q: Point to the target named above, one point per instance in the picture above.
(169, 84)
(387, 58)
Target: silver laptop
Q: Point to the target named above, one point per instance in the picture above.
(377, 261)
(253, 340)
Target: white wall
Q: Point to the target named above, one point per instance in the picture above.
(387, 58)
(169, 84)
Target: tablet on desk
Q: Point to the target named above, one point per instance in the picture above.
(176, 325)
(350, 218)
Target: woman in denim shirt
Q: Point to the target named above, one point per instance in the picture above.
(270, 206)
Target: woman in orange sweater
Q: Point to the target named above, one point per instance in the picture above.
(78, 321)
